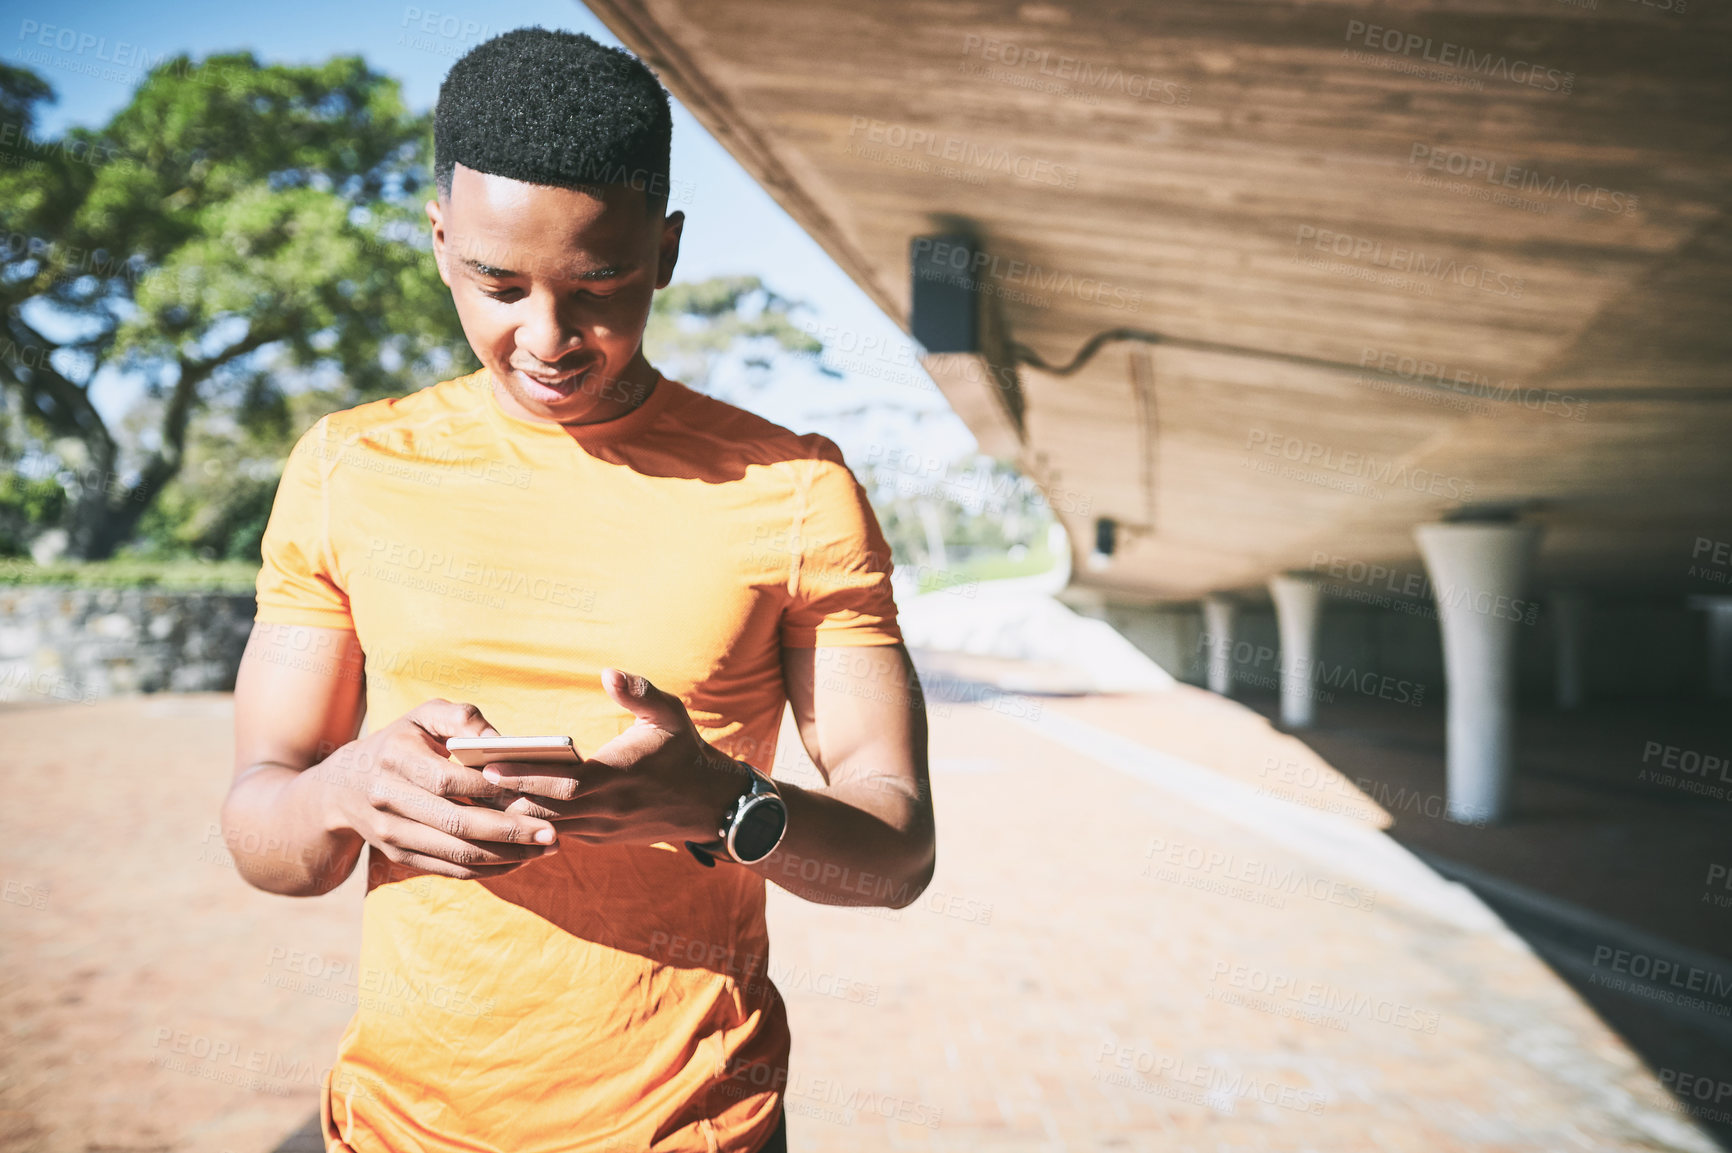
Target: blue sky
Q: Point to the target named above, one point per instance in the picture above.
(733, 226)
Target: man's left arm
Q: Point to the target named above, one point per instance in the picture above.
(866, 837)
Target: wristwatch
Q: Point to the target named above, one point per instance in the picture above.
(751, 828)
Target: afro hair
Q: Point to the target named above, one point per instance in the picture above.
(554, 108)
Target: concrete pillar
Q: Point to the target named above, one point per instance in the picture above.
(1298, 610)
(1719, 610)
(1218, 619)
(1569, 615)
(1477, 569)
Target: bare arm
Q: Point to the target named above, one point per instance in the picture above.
(307, 795)
(298, 697)
(867, 837)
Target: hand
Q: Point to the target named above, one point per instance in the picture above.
(657, 781)
(395, 789)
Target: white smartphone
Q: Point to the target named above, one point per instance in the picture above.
(478, 751)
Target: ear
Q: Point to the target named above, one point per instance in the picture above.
(672, 227)
(436, 218)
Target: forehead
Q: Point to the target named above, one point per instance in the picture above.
(542, 230)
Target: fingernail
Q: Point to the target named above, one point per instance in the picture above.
(492, 775)
(545, 836)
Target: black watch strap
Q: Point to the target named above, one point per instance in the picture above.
(706, 853)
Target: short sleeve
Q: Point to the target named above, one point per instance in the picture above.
(840, 583)
(297, 585)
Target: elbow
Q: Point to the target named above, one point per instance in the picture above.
(920, 875)
(272, 865)
(282, 880)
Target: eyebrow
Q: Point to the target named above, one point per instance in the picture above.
(486, 269)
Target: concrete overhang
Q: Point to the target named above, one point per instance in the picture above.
(1337, 269)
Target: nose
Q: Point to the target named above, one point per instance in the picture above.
(549, 332)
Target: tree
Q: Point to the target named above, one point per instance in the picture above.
(235, 228)
(693, 326)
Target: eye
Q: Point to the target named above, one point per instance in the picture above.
(505, 294)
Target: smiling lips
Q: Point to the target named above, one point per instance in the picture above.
(558, 382)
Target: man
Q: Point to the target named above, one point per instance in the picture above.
(567, 542)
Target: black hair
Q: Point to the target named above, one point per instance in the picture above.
(554, 108)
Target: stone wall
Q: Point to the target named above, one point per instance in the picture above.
(80, 644)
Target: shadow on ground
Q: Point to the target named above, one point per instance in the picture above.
(1612, 866)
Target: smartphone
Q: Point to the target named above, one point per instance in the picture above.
(477, 751)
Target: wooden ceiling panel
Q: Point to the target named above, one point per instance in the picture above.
(1286, 193)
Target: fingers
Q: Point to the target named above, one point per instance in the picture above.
(442, 718)
(406, 842)
(464, 822)
(592, 830)
(428, 864)
(444, 776)
(527, 777)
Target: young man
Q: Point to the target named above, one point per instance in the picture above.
(567, 542)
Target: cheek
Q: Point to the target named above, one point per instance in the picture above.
(625, 323)
(484, 329)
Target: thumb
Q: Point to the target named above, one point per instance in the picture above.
(642, 699)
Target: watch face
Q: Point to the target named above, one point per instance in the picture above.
(759, 828)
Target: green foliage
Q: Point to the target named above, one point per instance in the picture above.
(237, 234)
(176, 574)
(976, 511)
(693, 326)
(27, 507)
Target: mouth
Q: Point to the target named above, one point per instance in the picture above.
(553, 386)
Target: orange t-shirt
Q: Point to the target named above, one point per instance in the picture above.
(609, 997)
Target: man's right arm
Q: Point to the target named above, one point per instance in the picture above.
(307, 795)
(299, 696)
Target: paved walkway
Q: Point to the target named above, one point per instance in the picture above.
(1121, 950)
